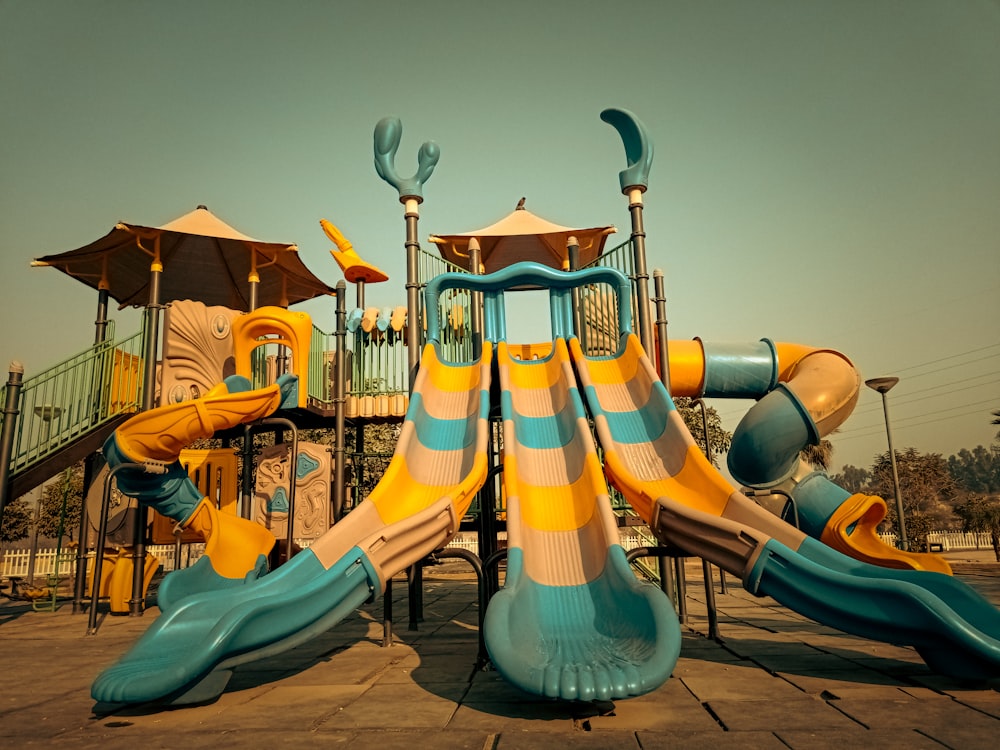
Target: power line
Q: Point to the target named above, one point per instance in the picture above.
(850, 434)
(941, 411)
(951, 356)
(903, 401)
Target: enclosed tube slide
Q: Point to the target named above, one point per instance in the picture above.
(804, 394)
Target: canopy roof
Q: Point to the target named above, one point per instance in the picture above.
(202, 259)
(521, 235)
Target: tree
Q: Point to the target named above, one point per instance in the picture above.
(852, 479)
(982, 514)
(996, 420)
(925, 486)
(818, 456)
(720, 439)
(69, 485)
(17, 518)
(977, 470)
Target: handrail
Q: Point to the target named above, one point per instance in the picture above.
(73, 397)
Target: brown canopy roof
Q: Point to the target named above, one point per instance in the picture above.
(519, 236)
(203, 259)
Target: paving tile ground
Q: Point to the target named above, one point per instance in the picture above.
(772, 680)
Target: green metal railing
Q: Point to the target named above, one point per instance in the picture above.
(322, 361)
(619, 257)
(72, 398)
(455, 308)
(379, 364)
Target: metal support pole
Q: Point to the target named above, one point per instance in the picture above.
(573, 257)
(101, 324)
(340, 399)
(639, 267)
(148, 400)
(477, 567)
(15, 377)
(413, 331)
(475, 267)
(681, 577)
(413, 325)
(387, 614)
(713, 615)
(246, 473)
(102, 533)
(359, 292)
(487, 531)
(91, 468)
(661, 328)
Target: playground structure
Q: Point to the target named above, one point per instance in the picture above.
(572, 621)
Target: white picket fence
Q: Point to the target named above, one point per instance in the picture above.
(949, 541)
(15, 562)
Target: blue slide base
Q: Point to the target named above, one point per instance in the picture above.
(953, 628)
(220, 629)
(611, 638)
(198, 578)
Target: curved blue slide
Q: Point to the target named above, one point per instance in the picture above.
(188, 653)
(572, 620)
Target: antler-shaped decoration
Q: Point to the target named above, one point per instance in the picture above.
(388, 133)
(638, 148)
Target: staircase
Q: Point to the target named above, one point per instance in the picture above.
(68, 411)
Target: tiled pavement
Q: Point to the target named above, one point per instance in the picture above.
(775, 680)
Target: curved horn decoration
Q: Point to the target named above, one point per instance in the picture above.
(388, 133)
(638, 148)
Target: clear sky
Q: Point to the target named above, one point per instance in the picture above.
(826, 173)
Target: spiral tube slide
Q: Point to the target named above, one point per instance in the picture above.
(572, 621)
(440, 463)
(804, 394)
(651, 457)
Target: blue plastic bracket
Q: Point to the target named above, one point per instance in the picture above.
(559, 284)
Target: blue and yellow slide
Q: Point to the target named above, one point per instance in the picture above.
(439, 464)
(651, 457)
(572, 620)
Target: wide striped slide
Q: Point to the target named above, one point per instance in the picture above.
(572, 620)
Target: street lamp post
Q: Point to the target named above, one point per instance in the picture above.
(883, 386)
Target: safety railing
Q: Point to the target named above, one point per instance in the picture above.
(599, 334)
(619, 257)
(72, 398)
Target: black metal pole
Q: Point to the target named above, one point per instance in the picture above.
(413, 318)
(413, 330)
(340, 399)
(639, 268)
(102, 532)
(661, 328)
(246, 473)
(91, 468)
(148, 401)
(476, 314)
(573, 259)
(15, 377)
(101, 324)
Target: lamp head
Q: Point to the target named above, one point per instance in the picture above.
(882, 385)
